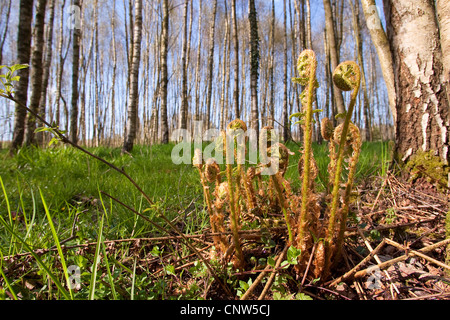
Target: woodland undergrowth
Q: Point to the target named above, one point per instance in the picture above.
(260, 235)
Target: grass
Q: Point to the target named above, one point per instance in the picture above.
(52, 198)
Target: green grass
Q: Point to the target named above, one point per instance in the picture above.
(46, 192)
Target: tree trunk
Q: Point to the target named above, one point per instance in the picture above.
(254, 65)
(112, 126)
(36, 70)
(285, 115)
(75, 69)
(46, 74)
(443, 13)
(164, 77)
(133, 99)
(382, 46)
(225, 70)
(334, 55)
(271, 119)
(359, 48)
(184, 100)
(23, 57)
(5, 31)
(209, 79)
(197, 67)
(421, 104)
(237, 114)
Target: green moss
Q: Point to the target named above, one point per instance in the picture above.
(426, 164)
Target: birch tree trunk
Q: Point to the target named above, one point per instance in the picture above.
(112, 127)
(236, 61)
(443, 13)
(225, 70)
(5, 31)
(75, 70)
(254, 65)
(184, 100)
(209, 79)
(334, 55)
(197, 67)
(270, 121)
(23, 57)
(133, 99)
(421, 104)
(359, 49)
(164, 77)
(382, 46)
(46, 71)
(96, 135)
(36, 70)
(285, 116)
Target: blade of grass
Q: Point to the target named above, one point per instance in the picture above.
(7, 202)
(96, 259)
(29, 226)
(110, 278)
(58, 245)
(37, 258)
(133, 278)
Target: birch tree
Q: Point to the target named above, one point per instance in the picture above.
(209, 78)
(334, 55)
(133, 98)
(421, 104)
(23, 57)
(164, 76)
(236, 61)
(36, 70)
(254, 65)
(46, 69)
(75, 70)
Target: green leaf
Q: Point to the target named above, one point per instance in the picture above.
(302, 296)
(292, 254)
(41, 129)
(244, 285)
(297, 115)
(340, 115)
(170, 269)
(18, 67)
(271, 261)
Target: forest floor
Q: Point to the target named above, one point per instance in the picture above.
(396, 228)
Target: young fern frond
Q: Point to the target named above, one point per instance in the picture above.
(346, 77)
(235, 130)
(306, 67)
